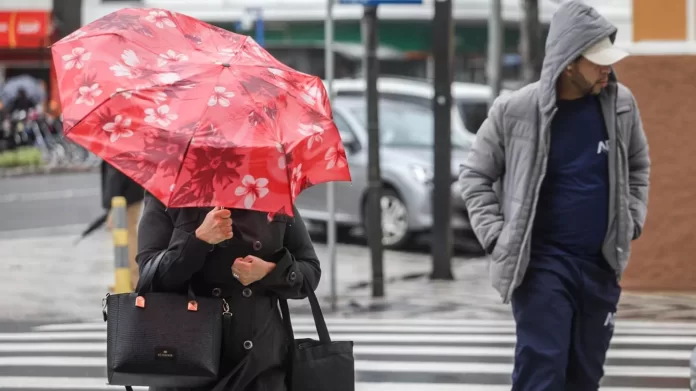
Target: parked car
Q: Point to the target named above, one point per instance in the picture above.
(406, 159)
(470, 100)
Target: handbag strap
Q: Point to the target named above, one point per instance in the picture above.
(147, 273)
(147, 276)
(319, 321)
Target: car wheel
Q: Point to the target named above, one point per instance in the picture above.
(395, 230)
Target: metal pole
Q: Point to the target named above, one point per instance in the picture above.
(331, 187)
(531, 42)
(122, 274)
(495, 49)
(373, 213)
(260, 29)
(441, 246)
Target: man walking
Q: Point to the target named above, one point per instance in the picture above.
(572, 159)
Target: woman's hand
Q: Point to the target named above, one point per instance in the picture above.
(250, 269)
(216, 227)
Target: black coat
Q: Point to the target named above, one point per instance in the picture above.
(115, 183)
(258, 343)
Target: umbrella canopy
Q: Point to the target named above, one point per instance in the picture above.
(197, 115)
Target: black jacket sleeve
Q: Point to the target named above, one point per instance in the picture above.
(115, 183)
(297, 263)
(185, 253)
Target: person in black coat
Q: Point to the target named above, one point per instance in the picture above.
(249, 258)
(114, 183)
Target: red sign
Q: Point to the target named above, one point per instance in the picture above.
(25, 29)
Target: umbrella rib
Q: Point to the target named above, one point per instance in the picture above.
(188, 145)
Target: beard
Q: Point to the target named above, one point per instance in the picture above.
(584, 86)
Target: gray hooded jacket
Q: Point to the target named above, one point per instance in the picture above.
(512, 147)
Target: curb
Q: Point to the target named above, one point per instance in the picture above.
(36, 170)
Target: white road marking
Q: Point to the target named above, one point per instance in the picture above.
(49, 195)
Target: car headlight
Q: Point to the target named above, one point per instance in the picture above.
(422, 174)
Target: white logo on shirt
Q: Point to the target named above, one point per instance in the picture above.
(603, 146)
(610, 320)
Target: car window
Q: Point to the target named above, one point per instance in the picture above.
(407, 125)
(473, 114)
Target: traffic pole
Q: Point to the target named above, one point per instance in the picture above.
(374, 210)
(331, 186)
(119, 216)
(441, 247)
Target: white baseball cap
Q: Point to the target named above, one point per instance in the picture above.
(604, 53)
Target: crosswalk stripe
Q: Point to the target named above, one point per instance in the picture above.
(372, 337)
(621, 324)
(388, 350)
(422, 354)
(401, 328)
(70, 383)
(372, 366)
(505, 369)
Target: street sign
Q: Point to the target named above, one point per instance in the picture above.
(379, 2)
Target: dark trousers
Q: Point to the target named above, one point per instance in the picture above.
(565, 322)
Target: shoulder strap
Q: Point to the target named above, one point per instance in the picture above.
(319, 321)
(148, 271)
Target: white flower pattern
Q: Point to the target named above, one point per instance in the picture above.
(313, 132)
(220, 96)
(160, 19)
(335, 158)
(295, 178)
(161, 116)
(129, 67)
(171, 56)
(282, 162)
(311, 95)
(77, 58)
(87, 94)
(168, 78)
(252, 189)
(120, 127)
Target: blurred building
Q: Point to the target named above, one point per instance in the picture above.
(661, 73)
(26, 30)
(293, 31)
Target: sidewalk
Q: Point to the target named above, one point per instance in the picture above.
(51, 278)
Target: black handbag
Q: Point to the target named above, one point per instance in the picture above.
(162, 339)
(322, 365)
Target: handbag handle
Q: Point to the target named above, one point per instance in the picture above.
(145, 283)
(319, 321)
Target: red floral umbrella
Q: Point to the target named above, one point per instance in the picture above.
(199, 116)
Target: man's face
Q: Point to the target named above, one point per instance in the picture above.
(589, 77)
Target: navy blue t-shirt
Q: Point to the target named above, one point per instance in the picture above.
(572, 213)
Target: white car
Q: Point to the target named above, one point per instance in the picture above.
(470, 100)
(407, 166)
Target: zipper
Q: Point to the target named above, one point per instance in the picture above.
(618, 174)
(535, 198)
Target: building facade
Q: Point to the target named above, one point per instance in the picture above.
(293, 31)
(661, 74)
(26, 29)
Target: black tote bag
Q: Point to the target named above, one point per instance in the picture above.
(322, 365)
(162, 339)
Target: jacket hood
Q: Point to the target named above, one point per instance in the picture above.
(574, 28)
